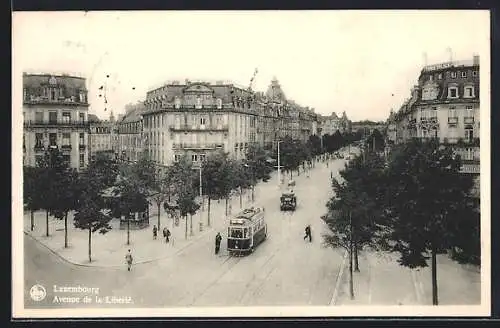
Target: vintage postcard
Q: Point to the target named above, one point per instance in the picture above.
(251, 163)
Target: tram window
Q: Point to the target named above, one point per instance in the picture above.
(236, 233)
(245, 233)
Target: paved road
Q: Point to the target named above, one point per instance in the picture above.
(284, 270)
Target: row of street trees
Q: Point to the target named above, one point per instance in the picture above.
(109, 189)
(416, 204)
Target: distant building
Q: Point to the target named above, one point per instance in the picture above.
(367, 127)
(333, 123)
(130, 133)
(103, 136)
(196, 118)
(55, 109)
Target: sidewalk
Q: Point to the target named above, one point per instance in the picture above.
(382, 281)
(109, 250)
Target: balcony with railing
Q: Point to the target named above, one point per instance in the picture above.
(199, 127)
(82, 146)
(432, 119)
(43, 100)
(75, 123)
(66, 147)
(196, 146)
(452, 120)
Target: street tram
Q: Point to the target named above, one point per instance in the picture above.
(246, 231)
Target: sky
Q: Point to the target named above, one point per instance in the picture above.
(360, 62)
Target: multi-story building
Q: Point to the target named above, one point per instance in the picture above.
(103, 137)
(333, 123)
(445, 105)
(196, 118)
(55, 109)
(130, 133)
(367, 127)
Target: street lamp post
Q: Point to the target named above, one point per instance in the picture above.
(279, 164)
(253, 180)
(201, 190)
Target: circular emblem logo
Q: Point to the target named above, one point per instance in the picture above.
(37, 293)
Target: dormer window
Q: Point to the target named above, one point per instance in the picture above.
(474, 73)
(453, 75)
(440, 76)
(452, 92)
(464, 74)
(469, 91)
(430, 92)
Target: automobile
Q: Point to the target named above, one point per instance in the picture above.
(288, 201)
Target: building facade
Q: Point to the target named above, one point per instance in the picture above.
(55, 109)
(445, 105)
(129, 128)
(367, 127)
(333, 123)
(103, 136)
(197, 117)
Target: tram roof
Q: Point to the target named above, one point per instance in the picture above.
(249, 213)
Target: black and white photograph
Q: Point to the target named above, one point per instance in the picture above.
(251, 163)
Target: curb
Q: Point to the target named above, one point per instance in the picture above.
(191, 243)
(339, 279)
(56, 253)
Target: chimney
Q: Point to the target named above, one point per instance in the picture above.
(475, 60)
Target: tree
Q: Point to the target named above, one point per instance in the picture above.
(132, 190)
(290, 154)
(51, 168)
(257, 157)
(375, 142)
(184, 179)
(32, 191)
(243, 177)
(352, 211)
(66, 197)
(162, 189)
(314, 144)
(91, 207)
(216, 174)
(425, 195)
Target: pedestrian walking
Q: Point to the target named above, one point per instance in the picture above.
(155, 232)
(129, 259)
(166, 234)
(218, 239)
(308, 233)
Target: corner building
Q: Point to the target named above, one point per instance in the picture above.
(55, 109)
(445, 105)
(197, 118)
